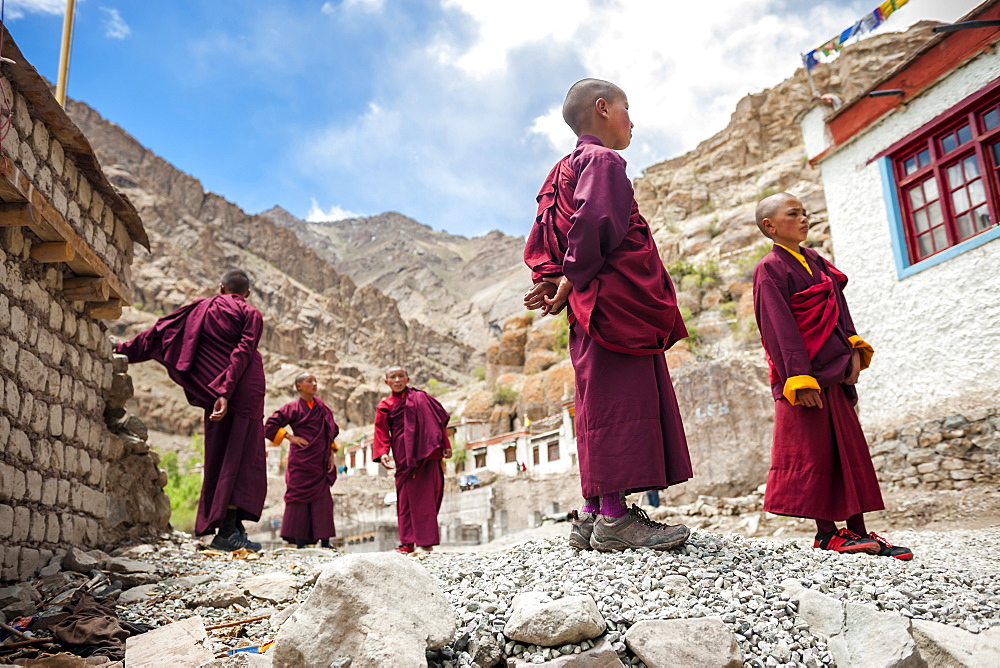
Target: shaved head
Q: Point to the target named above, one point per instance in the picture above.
(390, 369)
(768, 207)
(302, 376)
(236, 282)
(581, 98)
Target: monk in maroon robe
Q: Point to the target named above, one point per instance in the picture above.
(591, 248)
(209, 348)
(413, 426)
(311, 469)
(820, 464)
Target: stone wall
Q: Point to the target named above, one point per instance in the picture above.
(947, 453)
(66, 476)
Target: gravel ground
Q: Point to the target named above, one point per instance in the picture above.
(951, 580)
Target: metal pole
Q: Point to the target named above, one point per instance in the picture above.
(67, 41)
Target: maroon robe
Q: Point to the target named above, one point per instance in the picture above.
(820, 464)
(414, 426)
(308, 501)
(209, 348)
(623, 314)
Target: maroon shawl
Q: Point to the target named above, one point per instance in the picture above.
(306, 475)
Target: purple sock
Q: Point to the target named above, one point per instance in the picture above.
(613, 505)
(591, 505)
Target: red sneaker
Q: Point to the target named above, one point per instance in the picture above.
(847, 542)
(405, 549)
(890, 550)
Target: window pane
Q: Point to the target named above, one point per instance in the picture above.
(981, 217)
(924, 157)
(930, 189)
(964, 134)
(976, 192)
(965, 227)
(940, 238)
(991, 119)
(924, 245)
(917, 197)
(948, 144)
(955, 175)
(920, 220)
(960, 199)
(910, 165)
(935, 212)
(996, 154)
(971, 167)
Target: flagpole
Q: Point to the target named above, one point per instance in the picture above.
(809, 75)
(67, 40)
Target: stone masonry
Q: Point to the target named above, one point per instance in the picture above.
(954, 452)
(66, 477)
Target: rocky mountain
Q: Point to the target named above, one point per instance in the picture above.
(465, 288)
(315, 316)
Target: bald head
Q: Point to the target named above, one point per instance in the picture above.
(769, 206)
(236, 282)
(580, 99)
(302, 376)
(395, 368)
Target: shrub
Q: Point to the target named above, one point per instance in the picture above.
(503, 395)
(183, 486)
(479, 373)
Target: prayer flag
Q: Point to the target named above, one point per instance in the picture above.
(867, 23)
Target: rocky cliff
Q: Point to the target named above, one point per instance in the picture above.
(314, 315)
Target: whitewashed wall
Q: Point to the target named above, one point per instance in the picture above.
(936, 333)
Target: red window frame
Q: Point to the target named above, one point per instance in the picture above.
(935, 155)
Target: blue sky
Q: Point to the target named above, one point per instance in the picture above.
(443, 110)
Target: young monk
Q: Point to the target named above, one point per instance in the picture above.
(413, 426)
(590, 248)
(820, 464)
(311, 467)
(209, 348)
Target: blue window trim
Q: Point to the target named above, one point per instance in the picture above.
(898, 237)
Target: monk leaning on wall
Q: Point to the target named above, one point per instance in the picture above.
(820, 464)
(209, 348)
(591, 248)
(412, 426)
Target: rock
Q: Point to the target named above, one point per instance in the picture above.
(537, 620)
(79, 561)
(120, 565)
(219, 596)
(360, 608)
(130, 580)
(872, 638)
(824, 614)
(278, 618)
(950, 647)
(136, 594)
(685, 642)
(274, 587)
(189, 581)
(183, 643)
(676, 584)
(601, 655)
(485, 651)
(18, 592)
(240, 660)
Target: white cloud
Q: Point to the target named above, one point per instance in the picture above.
(114, 25)
(15, 9)
(373, 6)
(328, 8)
(318, 215)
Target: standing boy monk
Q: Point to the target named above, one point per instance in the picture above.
(820, 464)
(311, 467)
(591, 248)
(414, 427)
(209, 348)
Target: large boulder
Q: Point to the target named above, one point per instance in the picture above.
(951, 647)
(535, 619)
(875, 639)
(695, 643)
(601, 655)
(377, 609)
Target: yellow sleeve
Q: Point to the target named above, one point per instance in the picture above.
(796, 383)
(279, 437)
(864, 349)
(335, 447)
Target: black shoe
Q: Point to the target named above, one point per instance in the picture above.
(232, 542)
(890, 550)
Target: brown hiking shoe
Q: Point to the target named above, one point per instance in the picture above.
(583, 526)
(636, 530)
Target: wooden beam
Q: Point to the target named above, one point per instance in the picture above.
(109, 310)
(17, 214)
(86, 289)
(52, 251)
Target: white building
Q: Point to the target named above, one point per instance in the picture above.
(912, 179)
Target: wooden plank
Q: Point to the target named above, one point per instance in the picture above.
(86, 289)
(109, 310)
(52, 251)
(17, 214)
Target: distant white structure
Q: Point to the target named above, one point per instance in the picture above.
(911, 173)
